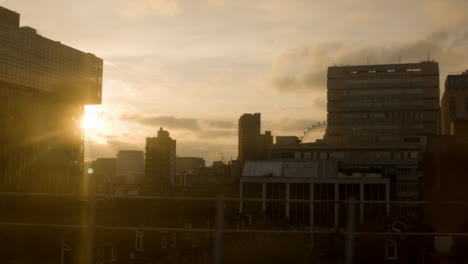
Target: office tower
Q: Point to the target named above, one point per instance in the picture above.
(44, 86)
(252, 144)
(383, 102)
(130, 166)
(160, 159)
(455, 100)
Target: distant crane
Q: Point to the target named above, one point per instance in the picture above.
(310, 129)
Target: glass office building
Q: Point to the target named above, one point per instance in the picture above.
(44, 86)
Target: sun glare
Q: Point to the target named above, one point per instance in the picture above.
(91, 120)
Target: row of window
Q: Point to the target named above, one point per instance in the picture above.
(347, 155)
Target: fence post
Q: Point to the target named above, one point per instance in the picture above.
(350, 231)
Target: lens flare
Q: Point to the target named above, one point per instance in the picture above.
(91, 120)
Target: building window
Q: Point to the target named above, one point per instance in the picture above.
(390, 250)
(139, 241)
(452, 106)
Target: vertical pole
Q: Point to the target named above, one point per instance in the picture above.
(264, 196)
(387, 197)
(287, 209)
(219, 227)
(91, 218)
(311, 214)
(241, 194)
(350, 231)
(336, 205)
(361, 205)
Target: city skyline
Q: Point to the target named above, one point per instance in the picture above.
(175, 64)
(386, 183)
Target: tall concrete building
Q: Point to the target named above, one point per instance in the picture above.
(161, 159)
(44, 86)
(454, 101)
(130, 166)
(383, 102)
(252, 144)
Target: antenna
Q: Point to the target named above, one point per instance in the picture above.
(367, 60)
(428, 55)
(399, 59)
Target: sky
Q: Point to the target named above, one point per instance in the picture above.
(194, 67)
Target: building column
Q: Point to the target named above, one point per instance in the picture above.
(264, 196)
(361, 205)
(336, 205)
(287, 200)
(241, 196)
(387, 197)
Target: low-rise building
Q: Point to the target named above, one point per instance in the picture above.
(130, 166)
(309, 180)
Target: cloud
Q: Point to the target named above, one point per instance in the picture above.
(447, 13)
(288, 125)
(219, 124)
(306, 69)
(109, 149)
(163, 121)
(320, 103)
(138, 8)
(217, 134)
(172, 122)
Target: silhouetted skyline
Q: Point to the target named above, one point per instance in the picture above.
(176, 63)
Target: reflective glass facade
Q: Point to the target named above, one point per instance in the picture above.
(44, 86)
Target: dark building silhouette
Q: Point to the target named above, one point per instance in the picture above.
(130, 166)
(160, 163)
(104, 171)
(383, 102)
(455, 100)
(44, 86)
(184, 164)
(444, 179)
(252, 144)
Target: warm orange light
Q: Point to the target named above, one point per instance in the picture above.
(91, 120)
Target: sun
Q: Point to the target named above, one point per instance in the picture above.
(91, 120)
